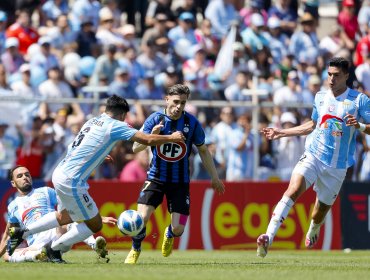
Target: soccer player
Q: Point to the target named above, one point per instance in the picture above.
(30, 205)
(169, 169)
(328, 153)
(90, 147)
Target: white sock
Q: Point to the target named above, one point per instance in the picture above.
(46, 222)
(24, 256)
(314, 227)
(278, 216)
(90, 241)
(76, 234)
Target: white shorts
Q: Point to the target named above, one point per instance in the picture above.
(327, 180)
(73, 196)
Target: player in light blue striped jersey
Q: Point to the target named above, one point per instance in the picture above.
(91, 146)
(329, 151)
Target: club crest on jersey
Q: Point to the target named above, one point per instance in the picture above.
(331, 108)
(172, 152)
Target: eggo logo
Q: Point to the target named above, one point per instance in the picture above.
(172, 151)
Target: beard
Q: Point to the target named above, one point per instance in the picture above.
(26, 188)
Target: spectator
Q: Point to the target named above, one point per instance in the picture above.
(84, 10)
(52, 9)
(205, 38)
(199, 171)
(86, 40)
(221, 13)
(347, 19)
(147, 89)
(184, 30)
(61, 33)
(363, 74)
(255, 6)
(158, 29)
(150, 60)
(160, 7)
(44, 59)
(305, 43)
(23, 87)
(121, 84)
(288, 16)
(236, 91)
(200, 68)
(221, 135)
(362, 49)
(241, 158)
(54, 87)
(186, 6)
(4, 86)
(136, 169)
(106, 65)
(111, 6)
(23, 31)
(364, 17)
(3, 22)
(106, 33)
(253, 37)
(331, 44)
(11, 58)
(288, 150)
(8, 146)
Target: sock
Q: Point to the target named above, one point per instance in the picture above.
(21, 256)
(90, 241)
(169, 232)
(278, 216)
(76, 234)
(46, 222)
(314, 227)
(136, 240)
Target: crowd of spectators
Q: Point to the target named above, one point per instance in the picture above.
(136, 49)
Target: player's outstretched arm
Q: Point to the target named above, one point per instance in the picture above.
(272, 133)
(109, 220)
(153, 139)
(137, 147)
(209, 165)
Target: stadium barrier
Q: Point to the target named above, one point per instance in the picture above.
(230, 221)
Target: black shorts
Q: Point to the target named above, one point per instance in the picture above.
(177, 195)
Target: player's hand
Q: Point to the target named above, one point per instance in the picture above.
(157, 128)
(271, 133)
(109, 220)
(109, 159)
(351, 121)
(177, 137)
(218, 186)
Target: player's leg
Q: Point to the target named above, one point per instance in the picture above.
(51, 220)
(146, 211)
(327, 189)
(318, 215)
(304, 174)
(178, 204)
(29, 254)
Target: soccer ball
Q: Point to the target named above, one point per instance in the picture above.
(130, 222)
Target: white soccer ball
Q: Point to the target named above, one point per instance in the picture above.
(130, 222)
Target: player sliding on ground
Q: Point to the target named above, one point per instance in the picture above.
(29, 206)
(329, 151)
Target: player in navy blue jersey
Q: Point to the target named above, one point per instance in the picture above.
(168, 173)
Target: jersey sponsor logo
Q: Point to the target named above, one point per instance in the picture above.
(334, 123)
(172, 152)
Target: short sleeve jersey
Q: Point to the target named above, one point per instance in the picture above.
(332, 142)
(92, 144)
(25, 210)
(170, 162)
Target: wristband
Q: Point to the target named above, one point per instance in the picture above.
(362, 127)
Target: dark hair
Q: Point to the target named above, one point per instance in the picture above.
(178, 89)
(117, 105)
(11, 171)
(341, 63)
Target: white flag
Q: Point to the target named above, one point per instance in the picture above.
(225, 57)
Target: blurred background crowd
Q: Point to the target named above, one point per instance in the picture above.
(222, 49)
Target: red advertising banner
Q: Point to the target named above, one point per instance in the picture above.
(230, 221)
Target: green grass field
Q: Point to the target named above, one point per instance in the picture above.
(226, 265)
